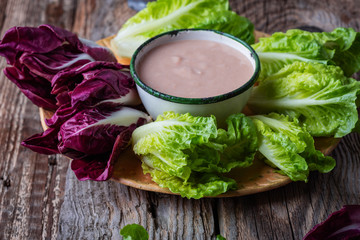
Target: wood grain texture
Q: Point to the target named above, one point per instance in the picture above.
(257, 178)
(32, 185)
(35, 202)
(94, 210)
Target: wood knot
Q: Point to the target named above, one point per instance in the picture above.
(345, 18)
(53, 12)
(7, 182)
(52, 160)
(310, 28)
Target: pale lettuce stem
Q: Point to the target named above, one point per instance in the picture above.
(289, 103)
(154, 127)
(152, 25)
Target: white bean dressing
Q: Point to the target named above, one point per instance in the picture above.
(195, 68)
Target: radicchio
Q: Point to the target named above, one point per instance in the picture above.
(93, 131)
(95, 83)
(37, 54)
(95, 127)
(343, 224)
(93, 137)
(86, 88)
(98, 167)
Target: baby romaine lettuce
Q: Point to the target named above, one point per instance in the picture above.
(345, 42)
(319, 95)
(166, 15)
(197, 186)
(168, 137)
(340, 47)
(289, 147)
(186, 154)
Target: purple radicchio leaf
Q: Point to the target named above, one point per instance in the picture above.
(47, 142)
(95, 83)
(36, 88)
(37, 54)
(44, 143)
(96, 51)
(105, 86)
(92, 137)
(343, 224)
(93, 131)
(100, 167)
(62, 114)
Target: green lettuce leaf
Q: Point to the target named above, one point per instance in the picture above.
(346, 44)
(134, 232)
(281, 49)
(320, 96)
(166, 15)
(316, 160)
(172, 137)
(289, 147)
(240, 140)
(198, 185)
(340, 47)
(186, 154)
(219, 237)
(232, 23)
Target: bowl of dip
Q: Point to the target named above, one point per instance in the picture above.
(196, 71)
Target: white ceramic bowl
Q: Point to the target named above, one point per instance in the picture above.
(220, 106)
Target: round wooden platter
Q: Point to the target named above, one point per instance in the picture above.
(259, 177)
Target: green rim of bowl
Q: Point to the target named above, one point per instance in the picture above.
(206, 100)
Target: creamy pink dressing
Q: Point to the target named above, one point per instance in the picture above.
(195, 68)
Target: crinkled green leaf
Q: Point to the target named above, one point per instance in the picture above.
(289, 147)
(172, 137)
(197, 186)
(282, 49)
(232, 23)
(166, 15)
(219, 237)
(340, 47)
(240, 140)
(134, 232)
(346, 44)
(277, 145)
(320, 96)
(187, 150)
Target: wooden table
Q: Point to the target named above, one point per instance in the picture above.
(40, 198)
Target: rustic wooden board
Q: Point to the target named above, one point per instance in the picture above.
(35, 202)
(31, 185)
(259, 177)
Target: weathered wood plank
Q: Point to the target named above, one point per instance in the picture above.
(31, 189)
(32, 186)
(290, 212)
(3, 4)
(14, 193)
(286, 213)
(96, 19)
(280, 15)
(93, 210)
